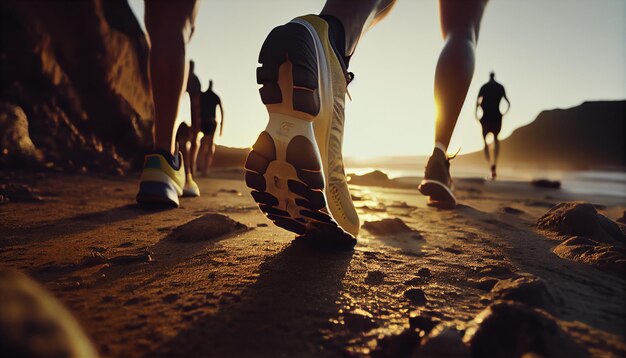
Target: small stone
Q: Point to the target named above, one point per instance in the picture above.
(359, 320)
(422, 321)
(145, 256)
(445, 340)
(527, 289)
(207, 227)
(375, 278)
(94, 258)
(393, 226)
(416, 296)
(424, 272)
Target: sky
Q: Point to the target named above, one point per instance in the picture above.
(547, 54)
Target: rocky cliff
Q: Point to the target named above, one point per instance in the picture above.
(75, 93)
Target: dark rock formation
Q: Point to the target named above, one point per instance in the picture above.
(35, 324)
(581, 219)
(507, 329)
(77, 73)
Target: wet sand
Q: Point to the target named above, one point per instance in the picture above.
(148, 283)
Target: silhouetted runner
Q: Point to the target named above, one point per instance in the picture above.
(489, 98)
(189, 137)
(209, 101)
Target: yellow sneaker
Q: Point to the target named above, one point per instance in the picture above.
(295, 167)
(162, 180)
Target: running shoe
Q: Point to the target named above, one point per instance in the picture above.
(191, 188)
(437, 183)
(295, 167)
(162, 179)
(493, 172)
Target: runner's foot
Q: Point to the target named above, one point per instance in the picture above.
(162, 179)
(295, 168)
(437, 183)
(191, 188)
(493, 172)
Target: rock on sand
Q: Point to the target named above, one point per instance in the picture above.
(527, 289)
(393, 226)
(207, 227)
(581, 219)
(508, 329)
(591, 238)
(605, 257)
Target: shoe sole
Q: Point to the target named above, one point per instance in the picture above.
(190, 194)
(157, 194)
(439, 195)
(284, 168)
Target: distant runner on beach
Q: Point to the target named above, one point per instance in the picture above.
(189, 137)
(489, 98)
(209, 101)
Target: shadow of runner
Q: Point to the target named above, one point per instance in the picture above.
(76, 224)
(181, 244)
(282, 314)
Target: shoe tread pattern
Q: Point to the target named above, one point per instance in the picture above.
(300, 206)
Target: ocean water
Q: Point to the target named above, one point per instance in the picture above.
(592, 182)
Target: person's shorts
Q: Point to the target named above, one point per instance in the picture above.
(208, 126)
(183, 134)
(491, 126)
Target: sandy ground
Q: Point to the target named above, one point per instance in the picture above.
(139, 291)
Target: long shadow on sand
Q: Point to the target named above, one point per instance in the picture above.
(167, 253)
(282, 314)
(77, 224)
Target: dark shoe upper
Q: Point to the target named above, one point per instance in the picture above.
(438, 168)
